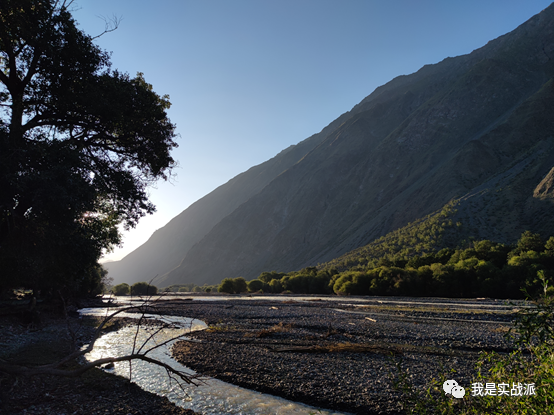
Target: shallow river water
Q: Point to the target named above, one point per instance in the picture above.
(210, 397)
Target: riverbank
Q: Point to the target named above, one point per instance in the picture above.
(340, 355)
(95, 392)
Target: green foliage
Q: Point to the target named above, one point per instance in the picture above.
(240, 285)
(481, 269)
(267, 277)
(537, 324)
(121, 289)
(549, 246)
(528, 242)
(79, 143)
(227, 286)
(233, 285)
(188, 288)
(534, 334)
(255, 285)
(275, 286)
(426, 235)
(143, 288)
(306, 281)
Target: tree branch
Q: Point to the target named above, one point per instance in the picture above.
(110, 26)
(54, 368)
(48, 370)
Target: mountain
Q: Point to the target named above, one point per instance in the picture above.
(478, 128)
(167, 246)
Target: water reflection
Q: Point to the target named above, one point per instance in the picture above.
(211, 397)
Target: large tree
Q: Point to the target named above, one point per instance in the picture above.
(79, 144)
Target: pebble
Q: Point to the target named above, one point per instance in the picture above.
(238, 349)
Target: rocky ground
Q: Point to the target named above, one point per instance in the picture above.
(96, 392)
(337, 355)
(330, 354)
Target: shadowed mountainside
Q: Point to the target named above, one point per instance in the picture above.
(167, 246)
(478, 127)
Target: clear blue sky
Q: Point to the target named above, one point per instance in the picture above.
(248, 78)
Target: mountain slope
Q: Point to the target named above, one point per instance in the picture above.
(477, 127)
(167, 246)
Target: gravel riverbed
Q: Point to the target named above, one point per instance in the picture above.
(341, 355)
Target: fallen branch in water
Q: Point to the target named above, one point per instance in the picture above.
(139, 352)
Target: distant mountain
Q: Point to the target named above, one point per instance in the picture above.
(167, 246)
(478, 128)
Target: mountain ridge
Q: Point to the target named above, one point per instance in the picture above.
(403, 152)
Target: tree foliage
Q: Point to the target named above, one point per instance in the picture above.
(79, 144)
(240, 285)
(121, 289)
(227, 286)
(482, 269)
(143, 288)
(255, 286)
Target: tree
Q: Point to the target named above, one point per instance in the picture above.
(276, 286)
(240, 285)
(227, 286)
(549, 247)
(267, 277)
(121, 289)
(79, 144)
(143, 288)
(529, 241)
(255, 285)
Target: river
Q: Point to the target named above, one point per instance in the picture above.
(210, 397)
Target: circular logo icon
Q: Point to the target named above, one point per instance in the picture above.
(451, 387)
(458, 392)
(448, 385)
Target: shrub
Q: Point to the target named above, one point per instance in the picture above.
(275, 286)
(255, 285)
(121, 289)
(240, 285)
(535, 336)
(143, 288)
(227, 286)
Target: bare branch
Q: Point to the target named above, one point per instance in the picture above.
(110, 25)
(48, 370)
(55, 368)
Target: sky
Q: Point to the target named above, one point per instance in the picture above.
(249, 78)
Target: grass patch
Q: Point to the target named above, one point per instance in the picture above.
(278, 328)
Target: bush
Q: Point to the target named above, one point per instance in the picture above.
(143, 288)
(275, 286)
(255, 286)
(227, 286)
(532, 363)
(240, 285)
(121, 289)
